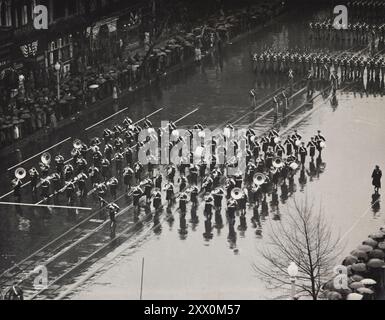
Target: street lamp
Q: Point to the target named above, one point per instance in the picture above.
(292, 270)
(57, 68)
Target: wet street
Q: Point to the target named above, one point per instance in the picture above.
(185, 258)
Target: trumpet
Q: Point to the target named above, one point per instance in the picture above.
(259, 179)
(45, 158)
(20, 173)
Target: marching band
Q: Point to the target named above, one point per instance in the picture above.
(99, 171)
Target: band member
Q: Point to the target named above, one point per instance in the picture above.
(68, 172)
(148, 185)
(106, 165)
(183, 201)
(242, 203)
(376, 178)
(137, 193)
(138, 169)
(182, 183)
(209, 203)
(158, 181)
(279, 149)
(118, 157)
(113, 209)
(34, 175)
(108, 151)
(171, 173)
(157, 200)
(231, 208)
(59, 163)
(194, 196)
(218, 196)
(302, 153)
(289, 143)
(16, 184)
(93, 173)
(128, 174)
(318, 138)
(81, 164)
(193, 174)
(169, 193)
(82, 179)
(113, 183)
(44, 186)
(312, 145)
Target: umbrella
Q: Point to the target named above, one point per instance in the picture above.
(375, 263)
(377, 253)
(356, 285)
(354, 296)
(379, 235)
(365, 290)
(370, 242)
(364, 247)
(350, 260)
(333, 295)
(359, 254)
(368, 282)
(359, 267)
(357, 277)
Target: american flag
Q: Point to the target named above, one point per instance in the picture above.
(29, 49)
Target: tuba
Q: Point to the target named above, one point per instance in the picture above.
(236, 193)
(278, 163)
(259, 179)
(20, 173)
(77, 144)
(45, 158)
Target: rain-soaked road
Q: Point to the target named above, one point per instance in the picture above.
(184, 258)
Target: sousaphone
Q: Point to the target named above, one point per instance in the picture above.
(237, 193)
(45, 158)
(20, 173)
(259, 179)
(77, 144)
(278, 163)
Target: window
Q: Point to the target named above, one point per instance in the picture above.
(24, 14)
(71, 7)
(3, 14)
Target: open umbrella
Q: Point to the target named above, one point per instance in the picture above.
(368, 282)
(356, 277)
(359, 267)
(354, 296)
(359, 254)
(349, 260)
(370, 242)
(364, 247)
(333, 295)
(356, 285)
(375, 263)
(377, 253)
(365, 290)
(379, 235)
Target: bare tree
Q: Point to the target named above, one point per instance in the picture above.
(303, 237)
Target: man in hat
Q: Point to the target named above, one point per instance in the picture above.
(376, 178)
